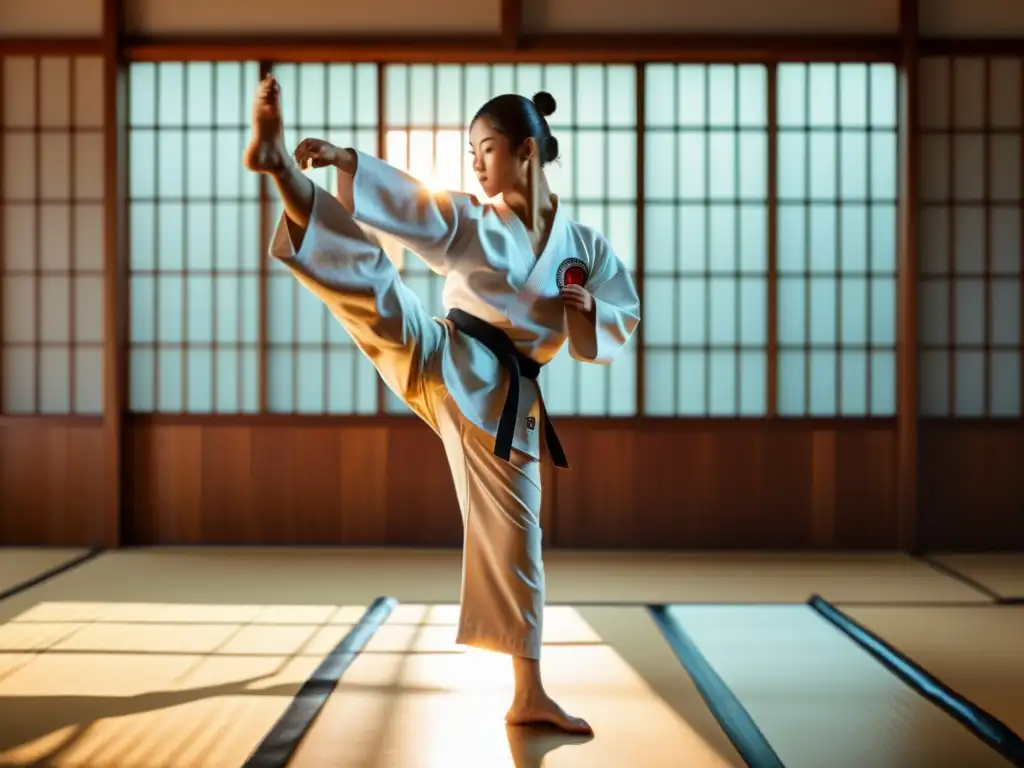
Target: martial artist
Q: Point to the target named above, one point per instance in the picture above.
(521, 279)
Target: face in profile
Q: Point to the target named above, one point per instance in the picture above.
(497, 167)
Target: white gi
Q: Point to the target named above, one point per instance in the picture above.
(452, 381)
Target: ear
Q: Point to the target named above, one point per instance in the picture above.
(528, 150)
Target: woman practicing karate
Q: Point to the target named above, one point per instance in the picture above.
(521, 278)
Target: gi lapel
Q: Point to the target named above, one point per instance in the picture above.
(531, 276)
(546, 263)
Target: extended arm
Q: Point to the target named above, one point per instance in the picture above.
(394, 203)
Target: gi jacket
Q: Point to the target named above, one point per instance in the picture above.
(483, 250)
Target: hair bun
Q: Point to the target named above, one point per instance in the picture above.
(552, 149)
(545, 103)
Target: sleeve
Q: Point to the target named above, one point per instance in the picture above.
(333, 252)
(599, 338)
(398, 206)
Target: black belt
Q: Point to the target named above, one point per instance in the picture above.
(517, 364)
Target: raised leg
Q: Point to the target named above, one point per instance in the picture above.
(334, 258)
(267, 154)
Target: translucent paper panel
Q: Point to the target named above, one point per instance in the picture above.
(195, 252)
(427, 116)
(51, 345)
(971, 247)
(837, 239)
(312, 364)
(705, 240)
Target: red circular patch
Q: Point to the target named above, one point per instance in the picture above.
(574, 276)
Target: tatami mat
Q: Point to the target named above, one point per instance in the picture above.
(414, 698)
(323, 576)
(155, 683)
(978, 652)
(1001, 573)
(819, 699)
(19, 565)
(189, 656)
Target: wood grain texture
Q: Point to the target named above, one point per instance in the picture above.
(972, 486)
(291, 485)
(671, 486)
(51, 485)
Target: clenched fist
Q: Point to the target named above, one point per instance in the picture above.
(579, 298)
(318, 153)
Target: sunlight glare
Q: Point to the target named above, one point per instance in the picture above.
(438, 159)
(139, 677)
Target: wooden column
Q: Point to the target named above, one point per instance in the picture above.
(511, 23)
(907, 336)
(115, 285)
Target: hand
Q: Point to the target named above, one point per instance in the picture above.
(579, 298)
(317, 153)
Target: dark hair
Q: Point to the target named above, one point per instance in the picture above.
(519, 119)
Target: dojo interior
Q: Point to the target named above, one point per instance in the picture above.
(793, 528)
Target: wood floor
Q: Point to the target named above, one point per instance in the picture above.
(189, 657)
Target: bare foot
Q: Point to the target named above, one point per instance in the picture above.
(544, 710)
(266, 152)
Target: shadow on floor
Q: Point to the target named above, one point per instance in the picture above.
(25, 719)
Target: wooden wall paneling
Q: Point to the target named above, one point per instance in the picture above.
(227, 487)
(749, 486)
(23, 484)
(748, 507)
(291, 485)
(792, 489)
(595, 499)
(662, 486)
(287, 484)
(165, 465)
(362, 485)
(867, 514)
(972, 485)
(310, 486)
(272, 463)
(422, 507)
(51, 483)
(85, 520)
(823, 489)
